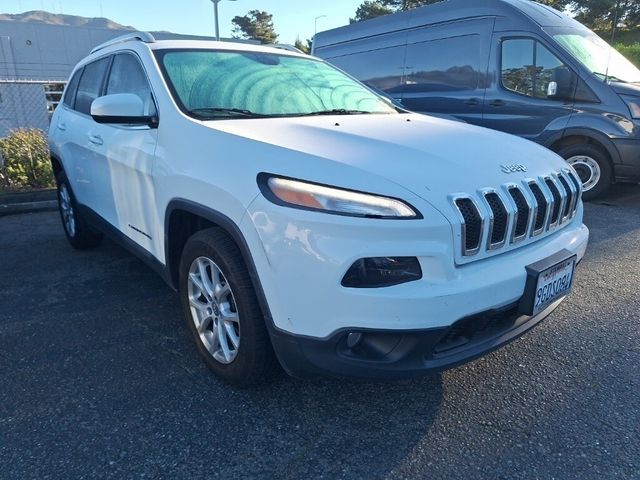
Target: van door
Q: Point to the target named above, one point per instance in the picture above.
(446, 68)
(519, 100)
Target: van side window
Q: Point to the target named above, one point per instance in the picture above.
(90, 85)
(381, 69)
(528, 67)
(70, 93)
(127, 76)
(445, 64)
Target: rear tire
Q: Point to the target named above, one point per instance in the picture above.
(80, 235)
(593, 167)
(222, 311)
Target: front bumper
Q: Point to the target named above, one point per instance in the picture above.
(398, 354)
(300, 259)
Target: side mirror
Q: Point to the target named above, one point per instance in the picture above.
(563, 85)
(121, 108)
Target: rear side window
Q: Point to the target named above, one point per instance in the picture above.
(70, 92)
(528, 67)
(445, 64)
(90, 85)
(381, 69)
(128, 76)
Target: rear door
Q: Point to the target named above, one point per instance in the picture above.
(446, 68)
(518, 100)
(84, 152)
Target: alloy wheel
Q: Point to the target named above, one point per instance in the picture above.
(213, 310)
(66, 208)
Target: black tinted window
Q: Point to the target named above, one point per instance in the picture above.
(90, 84)
(528, 67)
(381, 69)
(127, 76)
(443, 65)
(70, 92)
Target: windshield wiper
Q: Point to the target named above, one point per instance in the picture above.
(211, 112)
(336, 111)
(610, 77)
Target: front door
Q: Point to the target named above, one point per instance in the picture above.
(129, 156)
(519, 100)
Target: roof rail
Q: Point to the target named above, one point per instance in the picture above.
(284, 46)
(145, 37)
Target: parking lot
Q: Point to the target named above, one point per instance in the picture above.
(100, 379)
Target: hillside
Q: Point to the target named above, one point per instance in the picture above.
(38, 16)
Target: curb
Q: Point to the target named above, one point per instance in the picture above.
(28, 202)
(28, 207)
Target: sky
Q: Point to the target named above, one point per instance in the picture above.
(291, 18)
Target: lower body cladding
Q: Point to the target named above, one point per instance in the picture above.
(450, 315)
(629, 168)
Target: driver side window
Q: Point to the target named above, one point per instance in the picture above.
(528, 67)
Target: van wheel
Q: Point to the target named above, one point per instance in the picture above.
(79, 234)
(221, 309)
(593, 168)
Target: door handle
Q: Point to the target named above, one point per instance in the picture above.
(62, 126)
(497, 103)
(96, 139)
(473, 102)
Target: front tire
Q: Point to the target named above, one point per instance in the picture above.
(222, 311)
(593, 168)
(78, 232)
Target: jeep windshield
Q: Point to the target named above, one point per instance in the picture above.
(217, 84)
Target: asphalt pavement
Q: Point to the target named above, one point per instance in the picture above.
(99, 379)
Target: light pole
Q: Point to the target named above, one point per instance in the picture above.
(215, 14)
(315, 30)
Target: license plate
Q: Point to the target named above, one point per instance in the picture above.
(547, 284)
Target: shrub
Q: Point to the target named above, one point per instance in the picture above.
(26, 160)
(632, 52)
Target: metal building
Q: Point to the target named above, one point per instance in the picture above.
(35, 61)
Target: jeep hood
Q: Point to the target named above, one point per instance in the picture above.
(429, 156)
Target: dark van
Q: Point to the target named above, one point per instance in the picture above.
(511, 65)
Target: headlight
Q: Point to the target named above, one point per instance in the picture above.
(313, 196)
(634, 105)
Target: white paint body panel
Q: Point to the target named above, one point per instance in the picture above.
(301, 256)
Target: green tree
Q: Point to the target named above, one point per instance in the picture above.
(370, 9)
(304, 46)
(256, 25)
(602, 14)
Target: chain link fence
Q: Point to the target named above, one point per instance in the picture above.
(28, 103)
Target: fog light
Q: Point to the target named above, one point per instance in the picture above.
(382, 272)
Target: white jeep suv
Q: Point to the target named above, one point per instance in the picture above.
(305, 220)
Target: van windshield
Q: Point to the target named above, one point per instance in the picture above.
(215, 84)
(596, 54)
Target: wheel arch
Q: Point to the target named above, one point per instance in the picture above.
(56, 165)
(576, 136)
(183, 218)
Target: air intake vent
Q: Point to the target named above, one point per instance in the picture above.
(557, 200)
(541, 211)
(569, 196)
(522, 213)
(472, 225)
(498, 228)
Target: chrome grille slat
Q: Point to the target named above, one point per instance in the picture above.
(516, 212)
